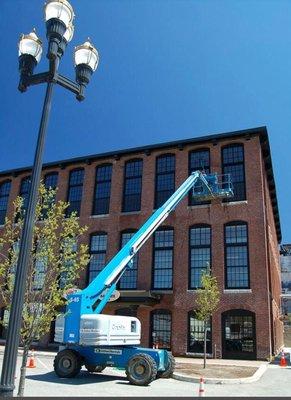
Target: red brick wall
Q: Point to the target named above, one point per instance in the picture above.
(256, 211)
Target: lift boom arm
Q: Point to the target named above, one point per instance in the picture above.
(90, 299)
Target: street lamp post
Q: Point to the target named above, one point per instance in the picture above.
(59, 18)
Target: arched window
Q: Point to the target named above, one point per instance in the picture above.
(129, 278)
(98, 247)
(238, 334)
(132, 185)
(198, 160)
(196, 334)
(236, 255)
(165, 178)
(102, 189)
(163, 259)
(200, 253)
(75, 191)
(161, 329)
(233, 164)
(4, 196)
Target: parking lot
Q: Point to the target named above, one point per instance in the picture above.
(42, 381)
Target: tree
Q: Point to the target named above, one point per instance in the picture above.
(56, 259)
(207, 301)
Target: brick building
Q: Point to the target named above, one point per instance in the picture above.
(115, 192)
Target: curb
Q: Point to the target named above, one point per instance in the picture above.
(36, 353)
(227, 381)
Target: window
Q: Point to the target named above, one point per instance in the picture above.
(129, 278)
(196, 335)
(200, 254)
(75, 191)
(132, 185)
(4, 196)
(236, 256)
(98, 247)
(198, 160)
(24, 193)
(102, 189)
(69, 249)
(165, 178)
(238, 334)
(163, 259)
(51, 180)
(161, 327)
(50, 183)
(233, 164)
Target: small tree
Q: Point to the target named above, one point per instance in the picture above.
(56, 260)
(208, 298)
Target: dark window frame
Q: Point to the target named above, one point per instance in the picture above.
(160, 311)
(191, 201)
(95, 188)
(163, 228)
(136, 269)
(93, 234)
(201, 246)
(225, 164)
(68, 210)
(238, 313)
(26, 192)
(157, 174)
(6, 181)
(192, 313)
(128, 178)
(236, 223)
(53, 173)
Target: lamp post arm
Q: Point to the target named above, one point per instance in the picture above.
(13, 333)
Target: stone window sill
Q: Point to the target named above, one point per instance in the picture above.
(237, 291)
(234, 203)
(198, 206)
(129, 212)
(99, 216)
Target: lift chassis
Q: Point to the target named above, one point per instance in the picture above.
(96, 340)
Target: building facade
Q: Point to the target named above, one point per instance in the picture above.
(114, 193)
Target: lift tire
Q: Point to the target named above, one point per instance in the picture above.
(141, 369)
(168, 373)
(67, 363)
(94, 368)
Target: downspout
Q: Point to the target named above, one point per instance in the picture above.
(267, 237)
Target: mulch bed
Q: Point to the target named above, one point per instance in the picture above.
(215, 371)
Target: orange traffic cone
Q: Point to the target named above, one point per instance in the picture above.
(201, 388)
(283, 362)
(31, 361)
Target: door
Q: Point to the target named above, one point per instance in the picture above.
(238, 335)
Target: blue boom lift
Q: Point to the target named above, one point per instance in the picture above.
(95, 340)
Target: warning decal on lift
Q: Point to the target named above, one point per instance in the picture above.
(108, 351)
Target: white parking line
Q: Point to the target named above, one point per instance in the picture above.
(43, 364)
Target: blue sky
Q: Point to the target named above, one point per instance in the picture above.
(169, 70)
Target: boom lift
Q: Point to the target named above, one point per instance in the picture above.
(96, 340)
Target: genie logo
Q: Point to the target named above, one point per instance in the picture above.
(118, 327)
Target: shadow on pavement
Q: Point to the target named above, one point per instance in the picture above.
(84, 378)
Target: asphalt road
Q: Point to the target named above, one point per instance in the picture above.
(42, 381)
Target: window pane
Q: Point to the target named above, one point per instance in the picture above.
(129, 278)
(200, 254)
(132, 186)
(102, 190)
(161, 329)
(233, 164)
(75, 191)
(199, 160)
(196, 335)
(98, 247)
(236, 250)
(165, 179)
(163, 259)
(4, 196)
(51, 181)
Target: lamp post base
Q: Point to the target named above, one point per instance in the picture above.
(6, 390)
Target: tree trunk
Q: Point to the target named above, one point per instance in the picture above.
(205, 331)
(23, 372)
